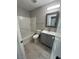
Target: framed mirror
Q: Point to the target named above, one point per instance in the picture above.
(52, 19)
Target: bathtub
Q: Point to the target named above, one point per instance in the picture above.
(27, 39)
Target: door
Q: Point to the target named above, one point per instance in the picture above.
(19, 52)
(20, 43)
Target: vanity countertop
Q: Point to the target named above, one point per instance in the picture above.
(51, 33)
(48, 32)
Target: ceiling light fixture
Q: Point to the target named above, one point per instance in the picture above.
(34, 1)
(53, 7)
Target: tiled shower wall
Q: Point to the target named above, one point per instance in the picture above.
(24, 22)
(33, 24)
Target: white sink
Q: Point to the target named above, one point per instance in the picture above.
(48, 32)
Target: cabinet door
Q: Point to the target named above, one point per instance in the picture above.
(47, 39)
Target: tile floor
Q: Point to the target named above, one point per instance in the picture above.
(37, 51)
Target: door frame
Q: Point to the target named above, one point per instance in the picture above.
(19, 40)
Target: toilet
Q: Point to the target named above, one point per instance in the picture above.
(36, 36)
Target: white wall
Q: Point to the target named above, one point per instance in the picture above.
(40, 14)
(22, 12)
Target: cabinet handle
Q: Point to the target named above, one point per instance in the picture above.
(52, 37)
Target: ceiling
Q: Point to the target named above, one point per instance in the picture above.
(29, 5)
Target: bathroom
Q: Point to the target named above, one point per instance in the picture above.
(38, 34)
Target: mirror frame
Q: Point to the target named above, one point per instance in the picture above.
(57, 18)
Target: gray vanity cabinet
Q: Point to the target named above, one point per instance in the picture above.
(47, 39)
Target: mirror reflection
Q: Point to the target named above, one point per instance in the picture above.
(52, 19)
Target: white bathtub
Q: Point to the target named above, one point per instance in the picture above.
(27, 39)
